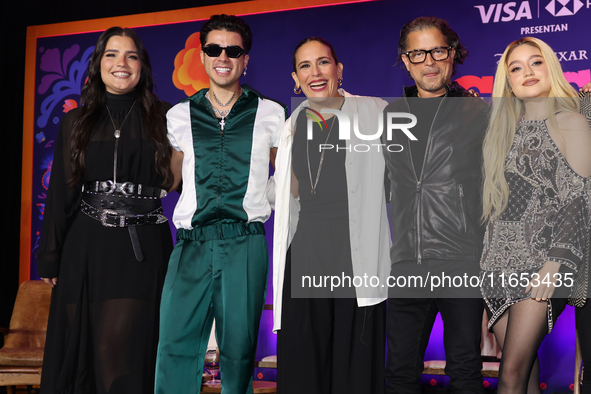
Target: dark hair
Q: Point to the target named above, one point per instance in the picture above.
(93, 98)
(427, 22)
(229, 23)
(317, 39)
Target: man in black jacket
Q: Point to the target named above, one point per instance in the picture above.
(435, 210)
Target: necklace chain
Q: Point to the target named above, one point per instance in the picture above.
(219, 102)
(313, 184)
(117, 134)
(222, 114)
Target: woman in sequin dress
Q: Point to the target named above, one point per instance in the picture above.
(536, 201)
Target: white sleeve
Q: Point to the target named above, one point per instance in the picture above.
(278, 127)
(180, 134)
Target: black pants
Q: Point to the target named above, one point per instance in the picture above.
(329, 346)
(583, 321)
(409, 325)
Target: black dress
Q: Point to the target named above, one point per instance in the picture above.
(103, 324)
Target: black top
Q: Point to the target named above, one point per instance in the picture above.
(424, 109)
(136, 164)
(331, 189)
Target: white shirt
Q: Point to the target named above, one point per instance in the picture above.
(368, 220)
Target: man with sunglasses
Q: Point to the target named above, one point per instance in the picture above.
(226, 136)
(435, 210)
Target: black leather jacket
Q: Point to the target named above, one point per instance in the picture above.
(435, 214)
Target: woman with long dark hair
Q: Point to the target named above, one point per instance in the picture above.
(105, 243)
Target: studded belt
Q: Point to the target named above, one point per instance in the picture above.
(118, 210)
(126, 188)
(113, 218)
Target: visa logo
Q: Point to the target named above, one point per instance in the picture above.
(506, 12)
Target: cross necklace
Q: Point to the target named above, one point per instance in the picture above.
(222, 114)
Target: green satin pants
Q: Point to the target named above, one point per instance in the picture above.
(223, 278)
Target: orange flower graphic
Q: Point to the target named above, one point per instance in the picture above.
(189, 74)
(70, 105)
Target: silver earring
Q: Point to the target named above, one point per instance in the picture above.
(244, 73)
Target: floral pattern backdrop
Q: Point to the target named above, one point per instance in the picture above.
(61, 72)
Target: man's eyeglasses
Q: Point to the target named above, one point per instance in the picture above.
(232, 51)
(420, 55)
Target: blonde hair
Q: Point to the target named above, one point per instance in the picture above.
(506, 110)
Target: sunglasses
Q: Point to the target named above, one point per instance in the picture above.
(232, 51)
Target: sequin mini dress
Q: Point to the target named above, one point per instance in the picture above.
(546, 219)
